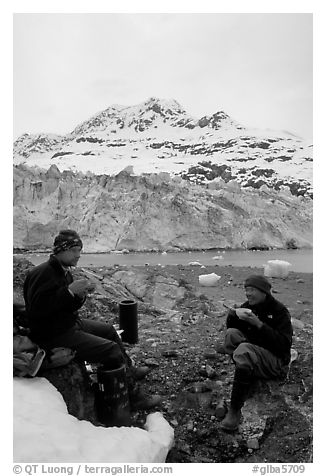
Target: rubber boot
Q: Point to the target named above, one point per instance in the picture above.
(138, 373)
(140, 401)
(144, 402)
(112, 398)
(241, 385)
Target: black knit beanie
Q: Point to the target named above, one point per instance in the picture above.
(65, 240)
(259, 282)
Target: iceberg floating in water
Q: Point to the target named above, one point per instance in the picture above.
(209, 279)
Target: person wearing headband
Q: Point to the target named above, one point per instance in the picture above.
(53, 299)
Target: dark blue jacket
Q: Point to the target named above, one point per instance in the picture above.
(276, 332)
(51, 308)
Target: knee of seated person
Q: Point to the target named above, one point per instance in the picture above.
(112, 332)
(114, 358)
(231, 331)
(234, 335)
(113, 363)
(241, 357)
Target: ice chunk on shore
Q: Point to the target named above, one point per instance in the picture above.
(277, 269)
(209, 279)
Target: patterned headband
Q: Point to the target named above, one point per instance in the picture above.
(66, 244)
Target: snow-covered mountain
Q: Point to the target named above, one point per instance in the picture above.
(159, 136)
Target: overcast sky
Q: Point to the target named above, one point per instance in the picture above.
(257, 67)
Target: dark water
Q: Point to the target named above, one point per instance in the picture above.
(301, 260)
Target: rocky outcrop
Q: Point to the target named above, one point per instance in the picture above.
(157, 293)
(149, 212)
(74, 384)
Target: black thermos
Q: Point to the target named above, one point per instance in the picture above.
(128, 321)
(112, 398)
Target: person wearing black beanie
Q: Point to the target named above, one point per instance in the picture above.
(258, 339)
(259, 282)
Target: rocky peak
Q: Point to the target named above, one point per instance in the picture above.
(218, 120)
(165, 108)
(150, 114)
(138, 117)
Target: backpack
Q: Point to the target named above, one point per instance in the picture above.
(27, 356)
(57, 357)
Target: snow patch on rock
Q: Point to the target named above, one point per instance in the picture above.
(45, 432)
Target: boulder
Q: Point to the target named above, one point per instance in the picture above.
(74, 384)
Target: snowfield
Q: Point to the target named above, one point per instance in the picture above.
(45, 432)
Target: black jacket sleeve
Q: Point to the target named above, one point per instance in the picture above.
(276, 331)
(49, 294)
(50, 307)
(232, 320)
